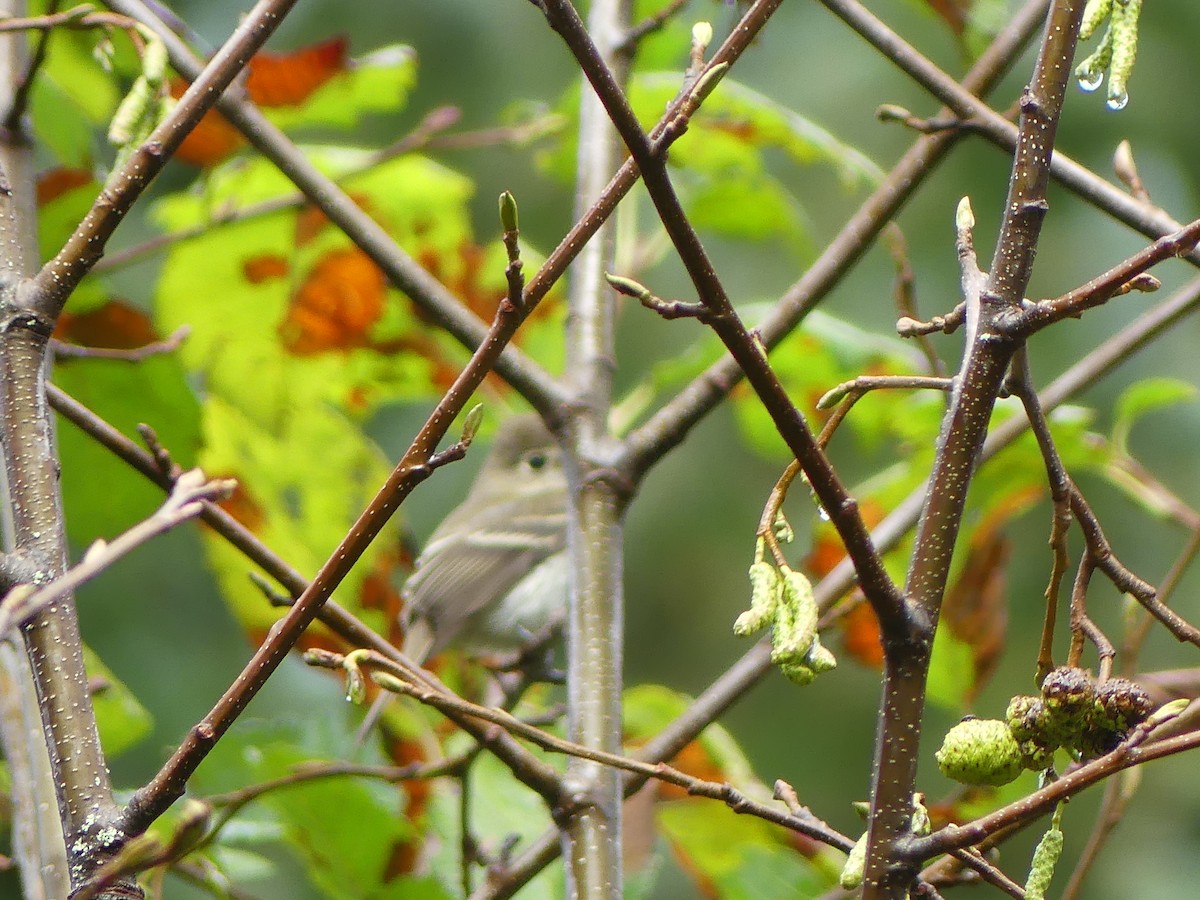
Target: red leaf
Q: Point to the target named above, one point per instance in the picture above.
(976, 608)
(113, 326)
(288, 79)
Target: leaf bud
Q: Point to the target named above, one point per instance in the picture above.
(856, 864)
(508, 212)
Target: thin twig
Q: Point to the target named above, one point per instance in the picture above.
(47, 292)
(191, 490)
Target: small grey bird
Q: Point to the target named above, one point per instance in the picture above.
(494, 573)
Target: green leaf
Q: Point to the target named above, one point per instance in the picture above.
(743, 857)
(1142, 398)
(821, 354)
(122, 720)
(379, 82)
(103, 496)
(951, 671)
(501, 808)
(649, 708)
(721, 164)
(303, 333)
(72, 98)
(345, 829)
(303, 480)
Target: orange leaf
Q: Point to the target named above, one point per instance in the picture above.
(860, 636)
(113, 326)
(258, 269)
(288, 79)
(336, 305)
(313, 220)
(243, 507)
(58, 181)
(211, 141)
(976, 608)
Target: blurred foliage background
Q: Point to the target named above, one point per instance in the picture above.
(157, 619)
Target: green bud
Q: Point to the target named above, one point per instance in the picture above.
(783, 529)
(389, 682)
(964, 216)
(1167, 712)
(471, 422)
(856, 864)
(766, 589)
(702, 34)
(980, 751)
(192, 826)
(921, 823)
(154, 61)
(628, 286)
(820, 658)
(508, 212)
(356, 685)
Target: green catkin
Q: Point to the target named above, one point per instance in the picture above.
(1045, 858)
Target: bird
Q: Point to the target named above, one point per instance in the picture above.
(494, 573)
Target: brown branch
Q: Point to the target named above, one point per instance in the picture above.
(1117, 280)
(445, 701)
(669, 425)
(841, 508)
(47, 292)
(150, 801)
(1134, 751)
(1145, 218)
(990, 301)
(190, 491)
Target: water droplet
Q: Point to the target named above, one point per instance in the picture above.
(1118, 100)
(1090, 79)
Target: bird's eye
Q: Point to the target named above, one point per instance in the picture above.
(536, 460)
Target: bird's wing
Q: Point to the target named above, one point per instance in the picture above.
(476, 566)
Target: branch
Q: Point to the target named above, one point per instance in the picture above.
(841, 508)
(47, 292)
(990, 299)
(152, 800)
(669, 425)
(596, 615)
(1128, 275)
(1139, 215)
(1134, 751)
(801, 822)
(190, 491)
